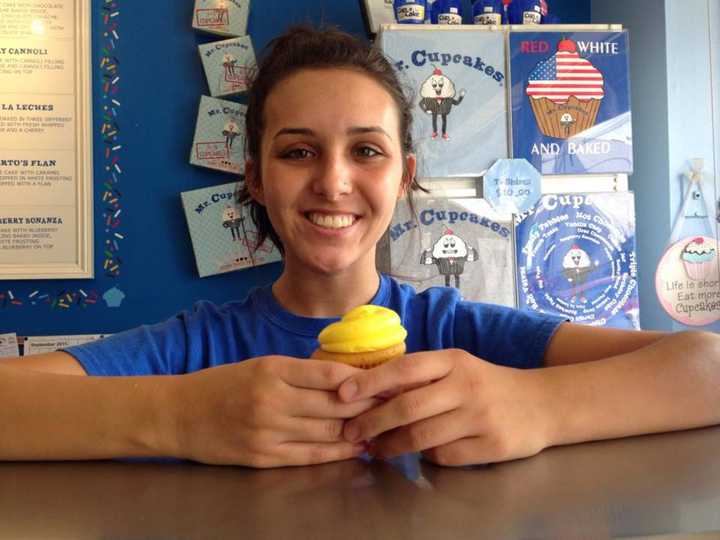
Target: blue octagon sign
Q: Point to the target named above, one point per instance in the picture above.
(512, 186)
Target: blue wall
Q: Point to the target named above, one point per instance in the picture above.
(160, 85)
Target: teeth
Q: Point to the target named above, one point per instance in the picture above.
(331, 222)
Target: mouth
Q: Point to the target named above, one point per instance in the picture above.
(331, 221)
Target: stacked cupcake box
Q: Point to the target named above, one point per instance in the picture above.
(222, 234)
(557, 96)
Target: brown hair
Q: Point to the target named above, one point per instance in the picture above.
(303, 47)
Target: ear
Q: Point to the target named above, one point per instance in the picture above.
(408, 176)
(253, 182)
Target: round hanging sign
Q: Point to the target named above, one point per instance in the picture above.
(687, 281)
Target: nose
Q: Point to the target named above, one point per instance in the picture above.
(333, 176)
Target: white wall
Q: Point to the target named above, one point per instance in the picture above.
(675, 106)
(691, 128)
(645, 21)
(714, 22)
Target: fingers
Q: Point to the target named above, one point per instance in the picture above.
(429, 433)
(408, 371)
(297, 453)
(468, 451)
(327, 404)
(314, 374)
(308, 430)
(405, 409)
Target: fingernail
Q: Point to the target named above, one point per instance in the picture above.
(350, 388)
(374, 451)
(352, 433)
(359, 449)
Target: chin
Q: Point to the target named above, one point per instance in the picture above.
(329, 268)
(328, 264)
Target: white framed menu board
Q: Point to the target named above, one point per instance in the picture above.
(46, 172)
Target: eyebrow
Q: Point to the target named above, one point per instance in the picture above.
(350, 131)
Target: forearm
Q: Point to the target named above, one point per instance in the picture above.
(670, 385)
(44, 416)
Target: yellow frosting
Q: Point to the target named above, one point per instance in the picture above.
(363, 329)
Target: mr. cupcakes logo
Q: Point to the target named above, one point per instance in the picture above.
(458, 84)
(576, 258)
(571, 101)
(451, 242)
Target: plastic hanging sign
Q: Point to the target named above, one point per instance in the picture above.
(512, 186)
(687, 280)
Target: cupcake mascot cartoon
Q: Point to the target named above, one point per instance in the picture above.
(576, 268)
(230, 131)
(232, 219)
(449, 255)
(438, 97)
(229, 62)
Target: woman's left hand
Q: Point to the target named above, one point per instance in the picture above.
(454, 407)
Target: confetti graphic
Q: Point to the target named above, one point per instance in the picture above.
(110, 132)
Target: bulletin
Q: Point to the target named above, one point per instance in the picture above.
(45, 140)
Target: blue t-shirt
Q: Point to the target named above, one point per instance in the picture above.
(212, 335)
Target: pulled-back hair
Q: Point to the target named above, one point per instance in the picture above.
(304, 47)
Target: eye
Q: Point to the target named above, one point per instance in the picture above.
(297, 153)
(367, 151)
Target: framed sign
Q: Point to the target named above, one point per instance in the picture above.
(375, 13)
(46, 174)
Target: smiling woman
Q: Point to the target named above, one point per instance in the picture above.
(329, 154)
(304, 48)
(332, 136)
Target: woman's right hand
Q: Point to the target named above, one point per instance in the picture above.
(269, 411)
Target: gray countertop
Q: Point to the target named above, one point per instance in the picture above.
(643, 486)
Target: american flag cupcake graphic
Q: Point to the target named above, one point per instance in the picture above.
(565, 92)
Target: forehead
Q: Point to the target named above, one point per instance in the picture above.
(331, 98)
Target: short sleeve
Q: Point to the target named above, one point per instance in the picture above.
(158, 349)
(505, 336)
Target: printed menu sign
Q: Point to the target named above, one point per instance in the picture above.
(45, 165)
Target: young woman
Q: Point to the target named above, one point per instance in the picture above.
(329, 154)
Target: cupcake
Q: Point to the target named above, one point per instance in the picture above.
(698, 257)
(365, 337)
(565, 92)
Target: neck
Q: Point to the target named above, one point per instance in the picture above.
(311, 294)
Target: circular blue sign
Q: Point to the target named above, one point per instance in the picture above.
(576, 258)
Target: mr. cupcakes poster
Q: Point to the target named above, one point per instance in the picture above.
(576, 258)
(571, 101)
(457, 80)
(452, 242)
